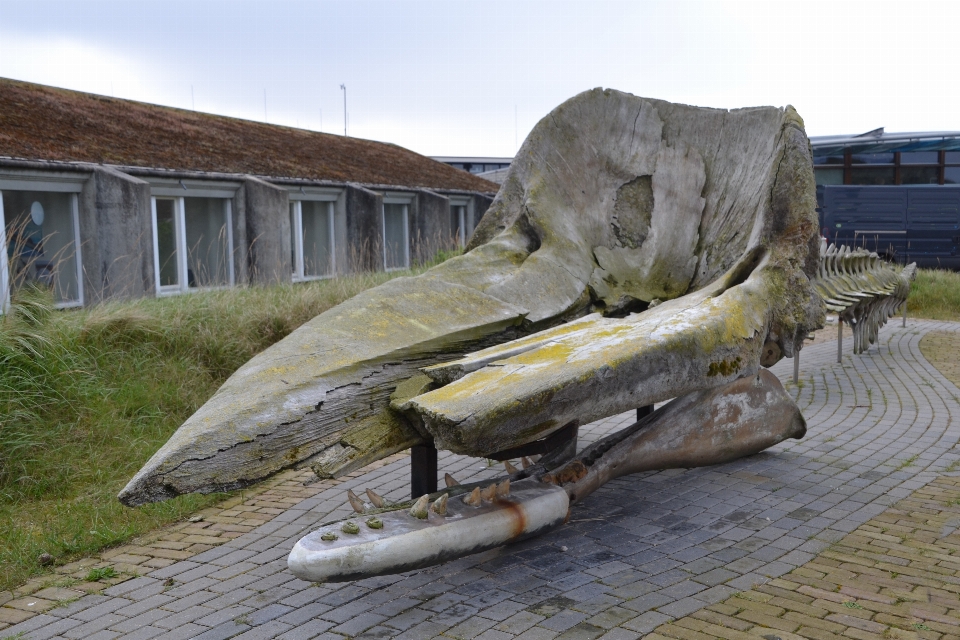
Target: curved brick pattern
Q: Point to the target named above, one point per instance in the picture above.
(897, 576)
(661, 551)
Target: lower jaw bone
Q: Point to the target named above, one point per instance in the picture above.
(406, 543)
(703, 428)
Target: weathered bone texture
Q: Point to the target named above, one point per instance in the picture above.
(862, 289)
(614, 204)
(703, 428)
(406, 542)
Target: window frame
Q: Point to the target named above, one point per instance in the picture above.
(297, 199)
(4, 273)
(849, 167)
(180, 240)
(465, 219)
(72, 185)
(402, 199)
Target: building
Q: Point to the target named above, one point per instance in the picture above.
(106, 198)
(879, 158)
(894, 193)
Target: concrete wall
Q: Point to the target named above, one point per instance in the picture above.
(116, 235)
(364, 237)
(116, 228)
(430, 228)
(266, 210)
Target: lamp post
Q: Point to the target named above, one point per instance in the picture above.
(344, 87)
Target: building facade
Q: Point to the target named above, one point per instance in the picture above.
(103, 198)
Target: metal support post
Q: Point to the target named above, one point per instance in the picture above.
(904, 313)
(423, 470)
(796, 365)
(643, 412)
(839, 338)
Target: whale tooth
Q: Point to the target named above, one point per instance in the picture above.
(419, 508)
(473, 498)
(439, 506)
(526, 462)
(503, 489)
(355, 502)
(375, 499)
(489, 493)
(509, 467)
(450, 480)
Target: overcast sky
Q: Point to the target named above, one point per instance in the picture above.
(473, 77)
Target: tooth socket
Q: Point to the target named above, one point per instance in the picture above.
(355, 502)
(350, 527)
(450, 480)
(375, 499)
(375, 523)
(473, 498)
(439, 506)
(419, 508)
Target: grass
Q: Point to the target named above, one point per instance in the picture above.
(935, 294)
(87, 396)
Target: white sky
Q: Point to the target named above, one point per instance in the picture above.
(459, 77)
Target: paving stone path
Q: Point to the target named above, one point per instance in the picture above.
(664, 552)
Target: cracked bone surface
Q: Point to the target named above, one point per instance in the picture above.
(613, 204)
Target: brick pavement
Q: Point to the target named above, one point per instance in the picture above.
(666, 551)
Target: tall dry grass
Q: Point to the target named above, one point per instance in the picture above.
(87, 396)
(935, 294)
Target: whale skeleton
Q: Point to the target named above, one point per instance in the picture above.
(638, 251)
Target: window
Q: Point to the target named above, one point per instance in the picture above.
(41, 241)
(829, 176)
(193, 243)
(888, 168)
(461, 219)
(312, 239)
(396, 233)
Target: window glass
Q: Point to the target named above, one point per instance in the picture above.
(951, 175)
(919, 175)
(208, 252)
(829, 176)
(395, 236)
(828, 159)
(458, 215)
(874, 176)
(41, 244)
(920, 157)
(872, 158)
(293, 236)
(167, 242)
(317, 241)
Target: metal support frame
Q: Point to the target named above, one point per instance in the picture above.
(423, 470)
(796, 365)
(904, 314)
(839, 339)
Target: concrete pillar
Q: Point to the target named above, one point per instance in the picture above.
(116, 236)
(364, 230)
(266, 211)
(430, 228)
